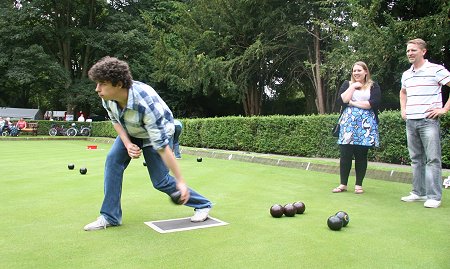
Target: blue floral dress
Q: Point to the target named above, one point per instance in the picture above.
(358, 127)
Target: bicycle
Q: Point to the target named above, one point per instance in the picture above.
(10, 131)
(57, 130)
(72, 131)
(83, 130)
(86, 130)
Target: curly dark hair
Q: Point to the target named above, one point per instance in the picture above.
(113, 70)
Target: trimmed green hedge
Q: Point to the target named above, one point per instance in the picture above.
(306, 136)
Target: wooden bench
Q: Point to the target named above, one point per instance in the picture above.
(32, 127)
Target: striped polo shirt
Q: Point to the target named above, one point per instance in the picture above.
(146, 116)
(423, 89)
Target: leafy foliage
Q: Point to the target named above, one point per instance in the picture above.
(215, 57)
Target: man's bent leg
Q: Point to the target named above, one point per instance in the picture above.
(164, 182)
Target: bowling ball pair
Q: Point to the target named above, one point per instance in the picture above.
(337, 221)
(83, 170)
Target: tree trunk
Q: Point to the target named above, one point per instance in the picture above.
(252, 101)
(87, 51)
(316, 73)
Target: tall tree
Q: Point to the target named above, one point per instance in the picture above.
(29, 76)
(378, 35)
(233, 47)
(72, 34)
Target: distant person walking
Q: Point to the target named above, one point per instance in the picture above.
(359, 98)
(176, 138)
(421, 106)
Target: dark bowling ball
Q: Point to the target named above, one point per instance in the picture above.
(344, 217)
(334, 223)
(71, 166)
(299, 207)
(199, 159)
(276, 211)
(83, 170)
(289, 210)
(144, 164)
(175, 197)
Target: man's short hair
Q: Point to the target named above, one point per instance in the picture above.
(419, 42)
(113, 70)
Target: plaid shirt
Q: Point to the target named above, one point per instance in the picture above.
(146, 116)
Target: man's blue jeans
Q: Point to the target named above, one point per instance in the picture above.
(424, 146)
(116, 163)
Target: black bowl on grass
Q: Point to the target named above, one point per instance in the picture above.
(344, 217)
(334, 223)
(289, 210)
(300, 207)
(276, 211)
(83, 170)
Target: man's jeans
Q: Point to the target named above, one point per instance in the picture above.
(424, 146)
(116, 163)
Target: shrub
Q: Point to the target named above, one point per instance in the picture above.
(306, 136)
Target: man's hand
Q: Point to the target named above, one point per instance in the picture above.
(403, 112)
(182, 187)
(134, 151)
(436, 112)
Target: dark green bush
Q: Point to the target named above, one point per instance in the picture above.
(306, 136)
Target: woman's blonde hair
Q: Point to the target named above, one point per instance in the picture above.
(367, 80)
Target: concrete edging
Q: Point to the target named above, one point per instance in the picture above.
(396, 176)
(392, 175)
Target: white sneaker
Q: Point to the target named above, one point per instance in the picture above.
(200, 214)
(100, 223)
(430, 203)
(413, 198)
(447, 182)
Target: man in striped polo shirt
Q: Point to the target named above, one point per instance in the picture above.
(421, 105)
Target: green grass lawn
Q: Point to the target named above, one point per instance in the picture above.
(44, 207)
